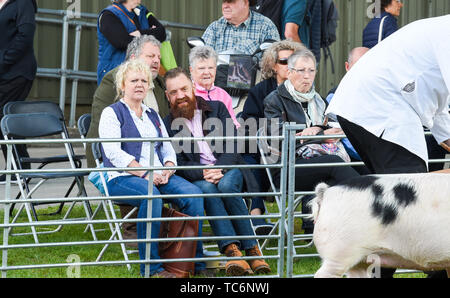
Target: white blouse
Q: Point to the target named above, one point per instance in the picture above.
(109, 128)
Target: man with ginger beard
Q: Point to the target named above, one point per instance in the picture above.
(192, 116)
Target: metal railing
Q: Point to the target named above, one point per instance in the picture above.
(64, 73)
(285, 237)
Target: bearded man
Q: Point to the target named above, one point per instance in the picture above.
(192, 116)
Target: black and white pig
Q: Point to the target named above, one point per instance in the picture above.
(398, 221)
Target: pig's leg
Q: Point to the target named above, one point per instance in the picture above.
(359, 271)
(330, 269)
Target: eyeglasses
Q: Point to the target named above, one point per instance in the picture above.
(304, 71)
(283, 61)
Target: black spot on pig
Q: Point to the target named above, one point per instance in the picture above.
(404, 194)
(386, 213)
(360, 182)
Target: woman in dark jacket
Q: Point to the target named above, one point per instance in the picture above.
(387, 23)
(274, 72)
(296, 101)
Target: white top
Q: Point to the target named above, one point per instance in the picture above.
(400, 85)
(109, 127)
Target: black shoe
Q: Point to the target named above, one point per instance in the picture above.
(262, 227)
(3, 179)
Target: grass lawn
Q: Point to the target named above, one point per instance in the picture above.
(71, 233)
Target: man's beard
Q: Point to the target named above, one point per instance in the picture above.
(185, 111)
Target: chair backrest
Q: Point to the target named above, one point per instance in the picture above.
(30, 125)
(97, 151)
(83, 124)
(27, 107)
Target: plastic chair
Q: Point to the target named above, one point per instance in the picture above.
(36, 125)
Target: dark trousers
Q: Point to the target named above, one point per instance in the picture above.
(16, 89)
(381, 156)
(384, 157)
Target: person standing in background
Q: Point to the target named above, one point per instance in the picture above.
(118, 25)
(381, 27)
(17, 61)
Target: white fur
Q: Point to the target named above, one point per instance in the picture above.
(346, 231)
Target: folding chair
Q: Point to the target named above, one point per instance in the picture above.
(27, 107)
(35, 125)
(264, 149)
(116, 233)
(83, 126)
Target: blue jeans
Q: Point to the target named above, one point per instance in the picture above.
(217, 206)
(133, 185)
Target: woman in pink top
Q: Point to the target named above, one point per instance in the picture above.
(203, 66)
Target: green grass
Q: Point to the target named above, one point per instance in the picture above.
(71, 233)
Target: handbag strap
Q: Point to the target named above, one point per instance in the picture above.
(380, 30)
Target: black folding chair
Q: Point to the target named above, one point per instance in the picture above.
(83, 126)
(27, 107)
(38, 125)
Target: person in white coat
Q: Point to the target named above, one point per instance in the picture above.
(393, 92)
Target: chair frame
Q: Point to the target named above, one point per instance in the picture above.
(11, 130)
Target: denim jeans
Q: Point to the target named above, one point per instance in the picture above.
(217, 206)
(133, 185)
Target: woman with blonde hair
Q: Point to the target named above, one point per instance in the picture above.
(130, 118)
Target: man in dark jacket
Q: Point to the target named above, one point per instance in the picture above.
(17, 61)
(192, 116)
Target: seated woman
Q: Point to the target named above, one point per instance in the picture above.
(274, 71)
(130, 118)
(203, 68)
(297, 101)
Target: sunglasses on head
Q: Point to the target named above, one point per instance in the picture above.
(282, 61)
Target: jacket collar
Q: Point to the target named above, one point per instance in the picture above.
(203, 105)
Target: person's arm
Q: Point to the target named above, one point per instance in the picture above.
(169, 155)
(114, 31)
(294, 12)
(23, 39)
(155, 28)
(291, 32)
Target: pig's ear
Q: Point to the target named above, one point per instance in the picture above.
(320, 192)
(317, 201)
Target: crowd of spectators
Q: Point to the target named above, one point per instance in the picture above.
(132, 100)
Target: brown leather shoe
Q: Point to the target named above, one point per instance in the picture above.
(236, 267)
(259, 266)
(164, 274)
